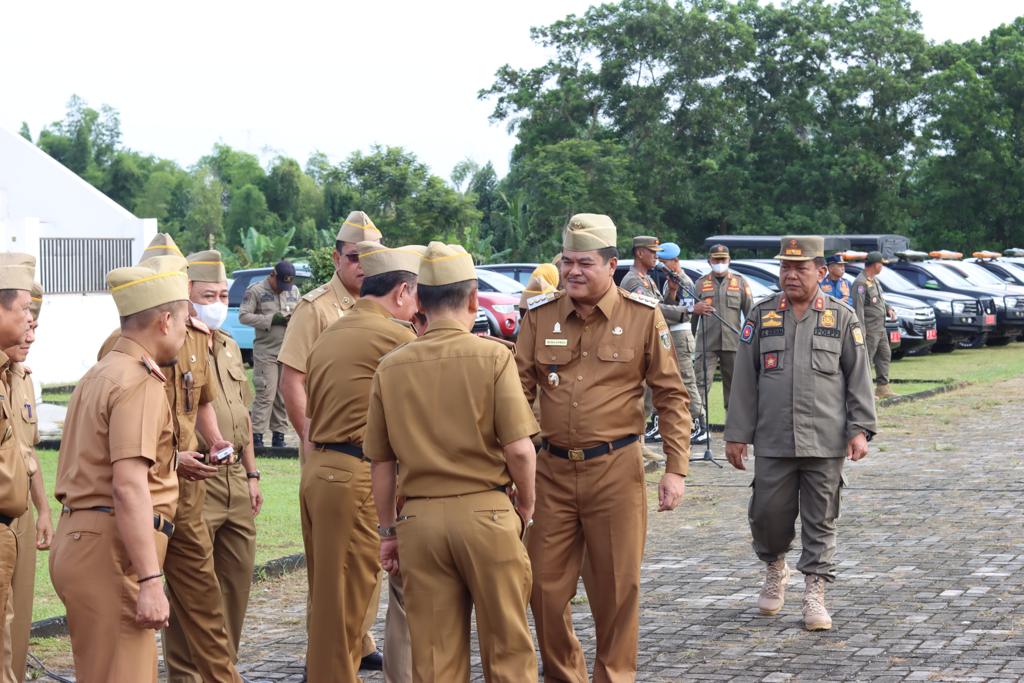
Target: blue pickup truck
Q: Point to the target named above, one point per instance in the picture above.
(240, 281)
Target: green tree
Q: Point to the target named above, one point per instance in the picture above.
(203, 222)
(248, 209)
(282, 188)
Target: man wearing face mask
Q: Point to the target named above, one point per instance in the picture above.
(267, 307)
(233, 497)
(726, 293)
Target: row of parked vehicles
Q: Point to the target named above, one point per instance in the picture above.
(943, 301)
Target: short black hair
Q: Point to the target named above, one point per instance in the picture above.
(339, 245)
(819, 261)
(446, 297)
(8, 297)
(383, 284)
(143, 319)
(608, 253)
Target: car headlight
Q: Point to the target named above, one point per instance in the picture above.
(945, 307)
(958, 307)
(1010, 302)
(507, 309)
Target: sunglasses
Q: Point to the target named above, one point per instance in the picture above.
(352, 258)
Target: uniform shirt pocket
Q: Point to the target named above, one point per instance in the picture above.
(732, 299)
(615, 354)
(28, 413)
(773, 353)
(554, 355)
(825, 354)
(334, 475)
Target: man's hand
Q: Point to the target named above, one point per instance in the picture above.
(389, 555)
(670, 491)
(890, 313)
(279, 319)
(152, 610)
(701, 308)
(857, 447)
(673, 287)
(191, 468)
(44, 530)
(736, 453)
(255, 496)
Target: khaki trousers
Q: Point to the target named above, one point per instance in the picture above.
(879, 354)
(19, 603)
(397, 644)
(339, 532)
(685, 346)
(228, 515)
(94, 579)
(196, 645)
(597, 507)
(8, 563)
(456, 554)
(268, 405)
(782, 489)
(725, 360)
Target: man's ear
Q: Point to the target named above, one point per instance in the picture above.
(474, 301)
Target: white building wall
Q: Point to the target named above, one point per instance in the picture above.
(40, 198)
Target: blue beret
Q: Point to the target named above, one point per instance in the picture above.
(668, 250)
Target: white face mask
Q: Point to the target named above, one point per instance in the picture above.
(719, 268)
(213, 315)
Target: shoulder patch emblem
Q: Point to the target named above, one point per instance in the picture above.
(666, 339)
(541, 299)
(747, 334)
(858, 336)
(641, 299)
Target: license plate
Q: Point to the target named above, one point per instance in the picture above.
(894, 336)
(990, 319)
(931, 334)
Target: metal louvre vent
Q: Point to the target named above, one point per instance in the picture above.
(80, 265)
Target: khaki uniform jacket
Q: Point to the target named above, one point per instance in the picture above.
(801, 388)
(591, 373)
(316, 311)
(443, 406)
(13, 473)
(870, 304)
(257, 310)
(340, 371)
(118, 410)
(189, 382)
(234, 392)
(731, 297)
(23, 410)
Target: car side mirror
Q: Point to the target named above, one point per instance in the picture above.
(931, 284)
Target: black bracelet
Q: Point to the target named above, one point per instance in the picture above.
(144, 579)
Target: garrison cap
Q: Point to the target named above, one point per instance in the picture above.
(446, 264)
(589, 232)
(875, 257)
(162, 244)
(801, 248)
(669, 250)
(646, 242)
(159, 281)
(17, 271)
(358, 228)
(376, 259)
(37, 300)
(834, 259)
(718, 250)
(206, 266)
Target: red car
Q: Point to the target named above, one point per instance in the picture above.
(499, 299)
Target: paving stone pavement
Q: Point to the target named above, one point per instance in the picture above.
(931, 552)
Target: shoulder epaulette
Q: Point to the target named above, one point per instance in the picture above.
(843, 304)
(541, 299)
(199, 325)
(766, 299)
(315, 294)
(27, 369)
(649, 301)
(153, 369)
(504, 342)
(404, 323)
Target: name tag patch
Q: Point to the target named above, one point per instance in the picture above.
(826, 332)
(556, 342)
(772, 332)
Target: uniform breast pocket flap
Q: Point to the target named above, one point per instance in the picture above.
(555, 355)
(615, 354)
(825, 354)
(732, 299)
(28, 413)
(237, 373)
(334, 475)
(773, 353)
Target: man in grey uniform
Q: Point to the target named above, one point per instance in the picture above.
(872, 312)
(802, 397)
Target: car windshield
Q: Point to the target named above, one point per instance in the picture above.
(497, 282)
(975, 273)
(890, 279)
(1014, 270)
(946, 275)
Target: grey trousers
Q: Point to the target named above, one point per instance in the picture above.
(782, 489)
(268, 406)
(879, 354)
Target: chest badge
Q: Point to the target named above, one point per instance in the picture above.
(557, 329)
(617, 331)
(552, 379)
(192, 358)
(828, 318)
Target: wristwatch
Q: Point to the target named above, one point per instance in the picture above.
(253, 475)
(387, 531)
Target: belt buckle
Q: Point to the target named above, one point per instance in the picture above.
(576, 454)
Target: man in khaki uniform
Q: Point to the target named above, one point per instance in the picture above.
(338, 519)
(32, 533)
(448, 410)
(803, 399)
(588, 351)
(233, 497)
(267, 306)
(316, 312)
(117, 484)
(873, 311)
(17, 272)
(726, 293)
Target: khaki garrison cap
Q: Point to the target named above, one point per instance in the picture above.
(358, 228)
(646, 242)
(161, 280)
(718, 250)
(801, 248)
(446, 264)
(17, 271)
(206, 266)
(377, 259)
(162, 244)
(37, 300)
(589, 232)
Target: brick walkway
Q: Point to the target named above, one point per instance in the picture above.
(930, 581)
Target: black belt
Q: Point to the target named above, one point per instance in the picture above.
(4, 519)
(160, 523)
(346, 448)
(580, 454)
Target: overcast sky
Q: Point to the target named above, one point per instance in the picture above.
(294, 77)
